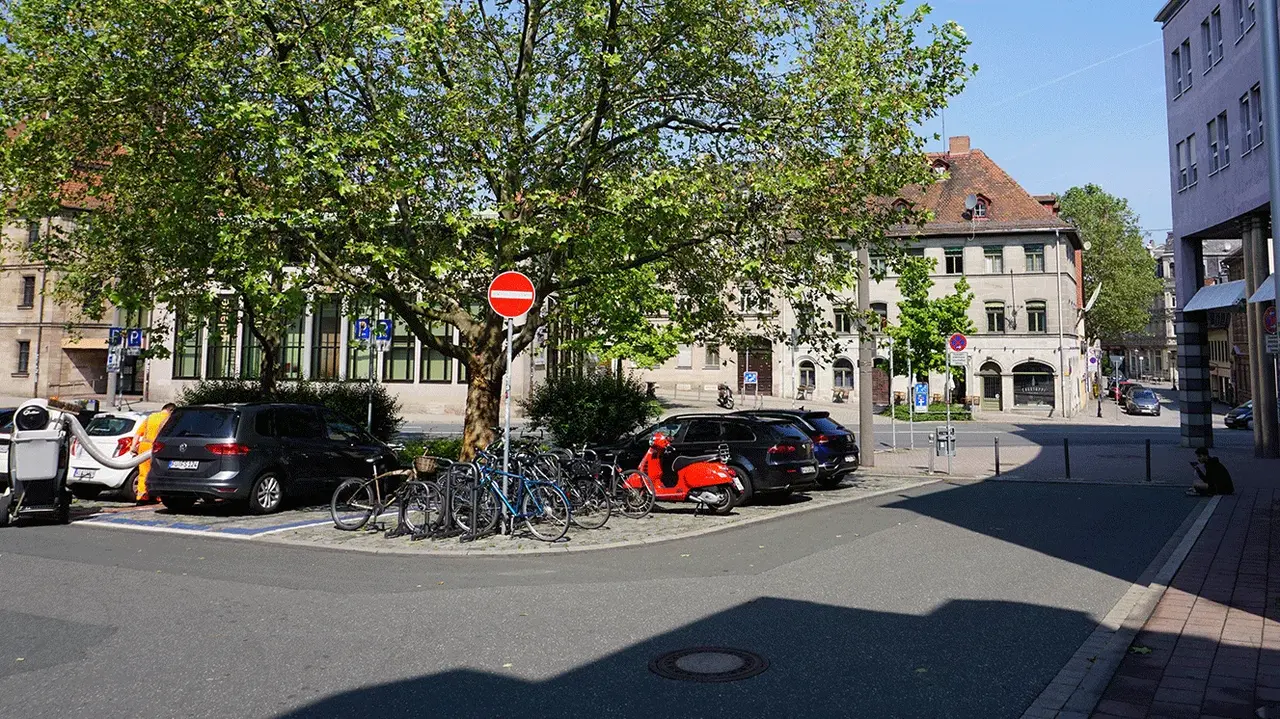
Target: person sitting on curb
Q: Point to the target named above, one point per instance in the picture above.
(1213, 479)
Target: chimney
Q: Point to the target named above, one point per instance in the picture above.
(958, 145)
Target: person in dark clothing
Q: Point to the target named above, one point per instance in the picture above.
(1213, 479)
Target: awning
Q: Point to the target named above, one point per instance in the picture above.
(1216, 297)
(1266, 292)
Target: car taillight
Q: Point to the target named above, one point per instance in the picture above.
(227, 450)
(783, 449)
(124, 444)
(75, 447)
(156, 447)
(821, 439)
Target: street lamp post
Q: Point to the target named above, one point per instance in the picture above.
(1270, 27)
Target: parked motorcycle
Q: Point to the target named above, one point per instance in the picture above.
(725, 398)
(704, 479)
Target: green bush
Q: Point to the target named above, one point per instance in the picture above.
(348, 399)
(936, 413)
(597, 408)
(447, 447)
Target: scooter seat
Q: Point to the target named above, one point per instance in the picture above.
(680, 463)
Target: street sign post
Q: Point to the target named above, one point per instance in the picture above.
(511, 294)
(921, 396)
(957, 342)
(133, 342)
(958, 359)
(382, 335)
(1273, 345)
(1269, 320)
(750, 378)
(115, 357)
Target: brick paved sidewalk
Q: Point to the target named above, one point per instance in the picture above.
(1214, 638)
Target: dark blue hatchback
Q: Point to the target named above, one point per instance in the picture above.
(834, 446)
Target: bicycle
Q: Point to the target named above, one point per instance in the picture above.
(589, 500)
(633, 499)
(544, 508)
(356, 501)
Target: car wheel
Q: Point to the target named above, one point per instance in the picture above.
(129, 490)
(178, 504)
(86, 491)
(745, 495)
(267, 494)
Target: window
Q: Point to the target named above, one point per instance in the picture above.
(879, 265)
(1037, 317)
(397, 361)
(24, 356)
(326, 338)
(291, 350)
(808, 374)
(342, 430)
(1215, 30)
(702, 430)
(844, 323)
(1192, 175)
(1224, 139)
(436, 365)
(299, 423)
(264, 425)
(1255, 97)
(1246, 124)
(187, 338)
(940, 167)
(220, 360)
(737, 432)
(980, 209)
(1247, 15)
(33, 232)
(993, 256)
(954, 260)
(684, 357)
(1181, 151)
(915, 252)
(1175, 64)
(28, 291)
(995, 316)
(712, 360)
(1215, 160)
(250, 355)
(1186, 64)
(1207, 41)
(881, 309)
(1240, 14)
(842, 374)
(1035, 257)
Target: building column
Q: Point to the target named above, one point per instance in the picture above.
(1192, 329)
(1261, 375)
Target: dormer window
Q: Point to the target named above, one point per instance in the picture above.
(981, 208)
(901, 204)
(940, 167)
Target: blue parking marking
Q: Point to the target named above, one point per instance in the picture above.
(188, 527)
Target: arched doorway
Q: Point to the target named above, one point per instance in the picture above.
(842, 376)
(991, 386)
(1033, 385)
(756, 357)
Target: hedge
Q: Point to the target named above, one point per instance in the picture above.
(936, 413)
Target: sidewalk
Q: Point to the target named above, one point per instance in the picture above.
(1211, 649)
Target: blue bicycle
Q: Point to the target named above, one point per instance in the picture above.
(543, 507)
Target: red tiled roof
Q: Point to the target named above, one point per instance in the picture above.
(1010, 208)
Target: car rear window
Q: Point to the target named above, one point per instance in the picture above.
(201, 422)
(825, 424)
(1144, 394)
(109, 426)
(790, 431)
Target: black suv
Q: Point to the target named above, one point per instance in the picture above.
(259, 453)
(834, 446)
(770, 456)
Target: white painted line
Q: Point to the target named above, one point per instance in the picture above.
(317, 523)
(510, 295)
(162, 530)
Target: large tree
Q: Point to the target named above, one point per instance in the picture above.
(1116, 259)
(635, 159)
(925, 321)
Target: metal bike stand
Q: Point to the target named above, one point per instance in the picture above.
(444, 526)
(473, 533)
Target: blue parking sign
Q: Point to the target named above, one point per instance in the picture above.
(383, 330)
(750, 378)
(134, 338)
(115, 336)
(364, 329)
(921, 396)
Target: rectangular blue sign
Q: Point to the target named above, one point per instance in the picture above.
(364, 328)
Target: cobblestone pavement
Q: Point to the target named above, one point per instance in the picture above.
(667, 521)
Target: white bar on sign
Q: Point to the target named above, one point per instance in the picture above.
(511, 295)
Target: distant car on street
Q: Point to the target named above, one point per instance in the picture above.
(1142, 401)
(771, 456)
(112, 434)
(1241, 417)
(1123, 389)
(834, 446)
(259, 454)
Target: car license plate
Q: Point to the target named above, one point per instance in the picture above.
(808, 470)
(738, 483)
(851, 458)
(184, 464)
(84, 473)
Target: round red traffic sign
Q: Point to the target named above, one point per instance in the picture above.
(957, 342)
(511, 294)
(1269, 320)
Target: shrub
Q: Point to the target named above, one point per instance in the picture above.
(348, 399)
(447, 447)
(936, 413)
(597, 408)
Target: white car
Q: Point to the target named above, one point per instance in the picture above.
(112, 434)
(6, 427)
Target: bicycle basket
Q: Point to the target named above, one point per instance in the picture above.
(426, 464)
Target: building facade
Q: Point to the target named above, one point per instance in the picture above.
(1218, 173)
(1023, 265)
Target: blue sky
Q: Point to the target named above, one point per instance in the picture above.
(1103, 124)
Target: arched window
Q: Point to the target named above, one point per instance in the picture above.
(940, 167)
(808, 374)
(842, 373)
(1033, 385)
(901, 204)
(982, 208)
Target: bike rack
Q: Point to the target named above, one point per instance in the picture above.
(445, 526)
(471, 469)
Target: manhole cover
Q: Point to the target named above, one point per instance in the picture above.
(709, 664)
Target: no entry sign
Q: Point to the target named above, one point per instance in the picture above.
(511, 294)
(957, 342)
(1269, 320)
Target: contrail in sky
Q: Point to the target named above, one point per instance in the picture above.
(1073, 73)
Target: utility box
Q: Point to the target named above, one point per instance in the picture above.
(945, 442)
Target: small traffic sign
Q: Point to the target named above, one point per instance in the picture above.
(114, 358)
(1269, 320)
(511, 294)
(1273, 344)
(115, 336)
(382, 334)
(957, 342)
(958, 359)
(1093, 360)
(364, 329)
(751, 378)
(134, 339)
(921, 396)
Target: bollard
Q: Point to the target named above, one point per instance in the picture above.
(933, 449)
(997, 456)
(1066, 454)
(1148, 460)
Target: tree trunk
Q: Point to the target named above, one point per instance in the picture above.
(484, 404)
(269, 371)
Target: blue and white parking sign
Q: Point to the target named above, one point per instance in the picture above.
(134, 338)
(921, 396)
(364, 328)
(751, 378)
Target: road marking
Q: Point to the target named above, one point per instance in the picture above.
(195, 528)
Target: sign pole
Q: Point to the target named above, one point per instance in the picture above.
(950, 432)
(511, 295)
(506, 427)
(911, 417)
(373, 368)
(893, 405)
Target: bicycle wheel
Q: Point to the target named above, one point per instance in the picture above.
(483, 518)
(546, 511)
(420, 506)
(352, 504)
(589, 502)
(636, 502)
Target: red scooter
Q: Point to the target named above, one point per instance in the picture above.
(705, 479)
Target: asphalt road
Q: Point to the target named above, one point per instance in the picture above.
(939, 602)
